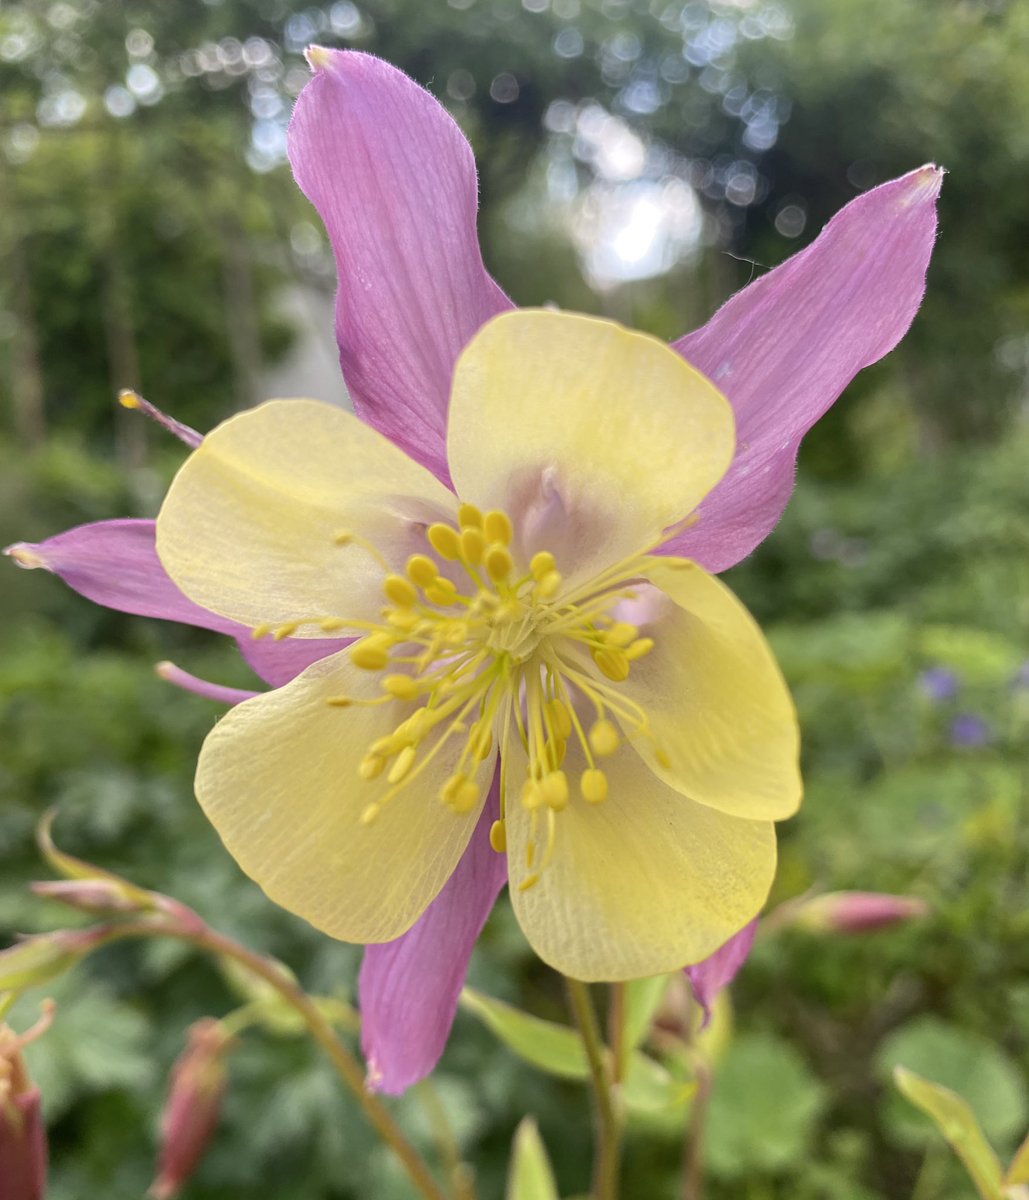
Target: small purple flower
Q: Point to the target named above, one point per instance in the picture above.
(969, 731)
(938, 684)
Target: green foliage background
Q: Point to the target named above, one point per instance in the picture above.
(151, 250)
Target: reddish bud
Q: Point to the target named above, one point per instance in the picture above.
(852, 912)
(198, 1082)
(23, 1150)
(102, 896)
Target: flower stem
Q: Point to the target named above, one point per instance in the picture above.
(187, 926)
(608, 1155)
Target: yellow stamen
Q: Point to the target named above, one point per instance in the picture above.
(445, 540)
(404, 762)
(473, 544)
(621, 634)
(422, 570)
(400, 590)
(639, 648)
(497, 527)
(548, 585)
(542, 564)
(555, 790)
(372, 766)
(371, 653)
(469, 517)
(499, 563)
(593, 785)
(612, 663)
(401, 686)
(498, 836)
(604, 739)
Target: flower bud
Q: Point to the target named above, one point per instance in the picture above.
(104, 897)
(23, 1150)
(40, 959)
(198, 1082)
(852, 912)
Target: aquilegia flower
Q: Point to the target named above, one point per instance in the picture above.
(644, 735)
(394, 181)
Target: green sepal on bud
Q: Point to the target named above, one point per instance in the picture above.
(46, 957)
(86, 886)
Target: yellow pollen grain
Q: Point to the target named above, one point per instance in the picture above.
(548, 585)
(421, 569)
(400, 591)
(542, 564)
(403, 763)
(498, 836)
(371, 653)
(555, 790)
(621, 634)
(469, 517)
(445, 540)
(497, 527)
(603, 738)
(593, 785)
(401, 686)
(639, 648)
(532, 796)
(371, 766)
(473, 544)
(499, 563)
(613, 663)
(559, 717)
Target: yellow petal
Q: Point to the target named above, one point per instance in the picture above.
(593, 438)
(716, 699)
(279, 779)
(641, 883)
(249, 527)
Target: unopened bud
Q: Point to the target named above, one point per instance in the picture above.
(101, 896)
(41, 959)
(198, 1082)
(23, 1150)
(852, 912)
(127, 896)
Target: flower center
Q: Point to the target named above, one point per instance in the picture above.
(481, 648)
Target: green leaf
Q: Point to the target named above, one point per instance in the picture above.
(1018, 1169)
(553, 1048)
(642, 999)
(557, 1050)
(963, 1061)
(956, 1121)
(764, 1104)
(530, 1176)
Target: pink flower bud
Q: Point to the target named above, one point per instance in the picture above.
(198, 1082)
(101, 896)
(23, 1150)
(852, 912)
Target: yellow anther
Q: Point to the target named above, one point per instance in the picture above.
(463, 796)
(481, 740)
(445, 540)
(128, 398)
(603, 738)
(469, 517)
(556, 748)
(371, 814)
(260, 631)
(559, 716)
(400, 590)
(401, 686)
(613, 663)
(542, 564)
(439, 594)
(285, 630)
(662, 758)
(421, 569)
(593, 785)
(555, 790)
(497, 527)
(403, 763)
(639, 648)
(371, 653)
(498, 836)
(529, 881)
(339, 702)
(621, 634)
(371, 766)
(548, 585)
(473, 544)
(499, 563)
(343, 538)
(532, 795)
(331, 624)
(402, 618)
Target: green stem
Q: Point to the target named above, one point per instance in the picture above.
(462, 1179)
(607, 1160)
(188, 927)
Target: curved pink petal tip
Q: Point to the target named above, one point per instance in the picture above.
(784, 348)
(409, 988)
(709, 977)
(393, 179)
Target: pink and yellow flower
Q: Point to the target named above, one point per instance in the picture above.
(561, 436)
